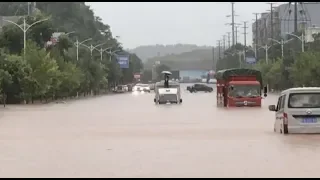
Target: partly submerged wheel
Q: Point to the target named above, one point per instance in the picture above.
(285, 129)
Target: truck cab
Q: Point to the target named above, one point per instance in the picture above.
(239, 87)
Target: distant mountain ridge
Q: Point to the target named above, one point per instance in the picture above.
(200, 59)
(151, 51)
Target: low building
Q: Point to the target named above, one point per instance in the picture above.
(283, 21)
(309, 32)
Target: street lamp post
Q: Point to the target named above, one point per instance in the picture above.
(111, 53)
(281, 43)
(91, 47)
(101, 52)
(77, 44)
(25, 27)
(266, 48)
(301, 38)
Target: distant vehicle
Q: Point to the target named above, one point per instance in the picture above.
(199, 87)
(129, 87)
(151, 86)
(297, 111)
(212, 81)
(239, 87)
(141, 87)
(120, 89)
(167, 91)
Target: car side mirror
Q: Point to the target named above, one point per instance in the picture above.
(272, 108)
(154, 100)
(180, 100)
(231, 87)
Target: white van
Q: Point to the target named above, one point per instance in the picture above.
(167, 95)
(297, 111)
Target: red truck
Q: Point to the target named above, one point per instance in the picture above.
(239, 87)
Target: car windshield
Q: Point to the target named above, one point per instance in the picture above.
(168, 97)
(304, 100)
(245, 91)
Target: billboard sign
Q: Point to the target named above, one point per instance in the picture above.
(250, 60)
(123, 61)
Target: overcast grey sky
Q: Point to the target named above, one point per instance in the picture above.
(149, 23)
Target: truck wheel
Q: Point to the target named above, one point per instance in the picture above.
(285, 129)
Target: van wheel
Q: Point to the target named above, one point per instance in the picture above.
(285, 129)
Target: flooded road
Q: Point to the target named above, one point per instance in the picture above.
(127, 135)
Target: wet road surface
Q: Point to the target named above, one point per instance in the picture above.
(126, 135)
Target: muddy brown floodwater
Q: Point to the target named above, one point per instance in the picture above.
(126, 135)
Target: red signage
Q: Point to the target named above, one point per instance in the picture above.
(137, 76)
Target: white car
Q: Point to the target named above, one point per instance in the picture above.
(297, 111)
(141, 87)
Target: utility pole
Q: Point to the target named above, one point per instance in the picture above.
(232, 21)
(229, 39)
(295, 17)
(256, 36)
(232, 24)
(28, 4)
(213, 58)
(271, 25)
(245, 39)
(219, 49)
(236, 34)
(224, 44)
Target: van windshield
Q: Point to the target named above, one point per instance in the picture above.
(304, 100)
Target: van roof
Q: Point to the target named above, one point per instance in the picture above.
(301, 89)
